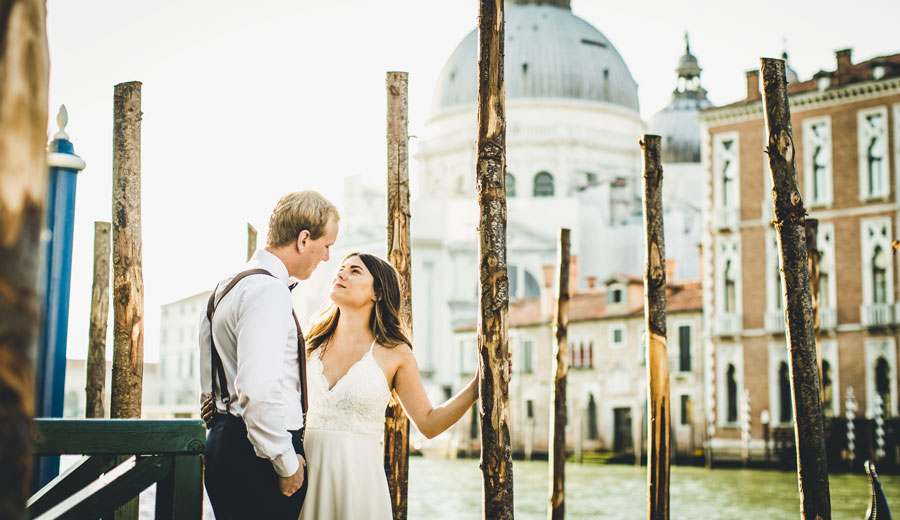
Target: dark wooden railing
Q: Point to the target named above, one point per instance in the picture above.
(122, 457)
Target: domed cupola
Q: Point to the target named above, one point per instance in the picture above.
(789, 72)
(677, 123)
(549, 53)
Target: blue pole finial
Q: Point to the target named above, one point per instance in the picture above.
(62, 119)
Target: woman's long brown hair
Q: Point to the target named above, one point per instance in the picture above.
(384, 322)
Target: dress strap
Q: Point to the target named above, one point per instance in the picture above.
(372, 346)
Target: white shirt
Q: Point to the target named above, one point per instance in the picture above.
(256, 339)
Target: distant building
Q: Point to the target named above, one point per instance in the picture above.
(607, 380)
(76, 380)
(846, 130)
(179, 352)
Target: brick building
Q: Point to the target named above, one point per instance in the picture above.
(846, 129)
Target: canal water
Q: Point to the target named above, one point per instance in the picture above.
(451, 490)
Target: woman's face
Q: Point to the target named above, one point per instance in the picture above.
(353, 285)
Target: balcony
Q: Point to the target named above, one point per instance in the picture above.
(827, 318)
(876, 314)
(775, 321)
(727, 324)
(726, 218)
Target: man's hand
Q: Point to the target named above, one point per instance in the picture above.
(290, 485)
(207, 411)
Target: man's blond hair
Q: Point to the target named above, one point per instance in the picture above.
(297, 211)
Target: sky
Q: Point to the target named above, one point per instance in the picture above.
(246, 101)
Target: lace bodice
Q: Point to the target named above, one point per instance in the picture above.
(357, 402)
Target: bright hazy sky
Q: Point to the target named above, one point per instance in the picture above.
(246, 101)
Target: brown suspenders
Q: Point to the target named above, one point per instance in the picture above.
(218, 372)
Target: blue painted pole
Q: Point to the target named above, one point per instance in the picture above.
(50, 366)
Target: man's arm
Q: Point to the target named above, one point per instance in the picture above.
(263, 326)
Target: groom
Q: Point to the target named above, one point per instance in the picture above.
(253, 368)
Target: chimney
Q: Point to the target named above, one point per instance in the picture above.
(591, 283)
(670, 270)
(547, 296)
(753, 85)
(844, 64)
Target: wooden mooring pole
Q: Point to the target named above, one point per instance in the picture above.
(659, 403)
(560, 367)
(812, 470)
(493, 281)
(95, 382)
(128, 278)
(396, 424)
(251, 240)
(24, 80)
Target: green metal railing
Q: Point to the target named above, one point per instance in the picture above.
(122, 457)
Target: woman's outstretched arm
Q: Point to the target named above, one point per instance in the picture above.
(430, 420)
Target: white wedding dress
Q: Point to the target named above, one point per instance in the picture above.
(344, 443)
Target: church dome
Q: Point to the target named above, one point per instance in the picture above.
(677, 124)
(550, 53)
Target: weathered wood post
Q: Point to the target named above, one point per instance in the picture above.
(24, 79)
(493, 281)
(396, 424)
(812, 470)
(128, 278)
(95, 382)
(658, 409)
(560, 367)
(251, 240)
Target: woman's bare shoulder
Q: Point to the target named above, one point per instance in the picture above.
(396, 354)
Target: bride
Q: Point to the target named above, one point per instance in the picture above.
(358, 351)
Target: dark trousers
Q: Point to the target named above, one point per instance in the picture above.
(241, 485)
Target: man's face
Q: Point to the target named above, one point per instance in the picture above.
(314, 251)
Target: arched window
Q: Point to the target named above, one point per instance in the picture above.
(883, 384)
(827, 388)
(730, 288)
(784, 393)
(543, 185)
(732, 415)
(591, 354)
(879, 279)
(510, 186)
(592, 419)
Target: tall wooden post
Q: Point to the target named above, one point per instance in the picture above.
(251, 240)
(24, 79)
(659, 404)
(493, 281)
(560, 366)
(128, 278)
(396, 424)
(96, 361)
(812, 471)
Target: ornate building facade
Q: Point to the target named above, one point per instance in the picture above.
(846, 129)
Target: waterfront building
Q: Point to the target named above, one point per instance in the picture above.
(179, 363)
(607, 379)
(846, 131)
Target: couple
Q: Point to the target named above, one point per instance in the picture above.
(282, 431)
